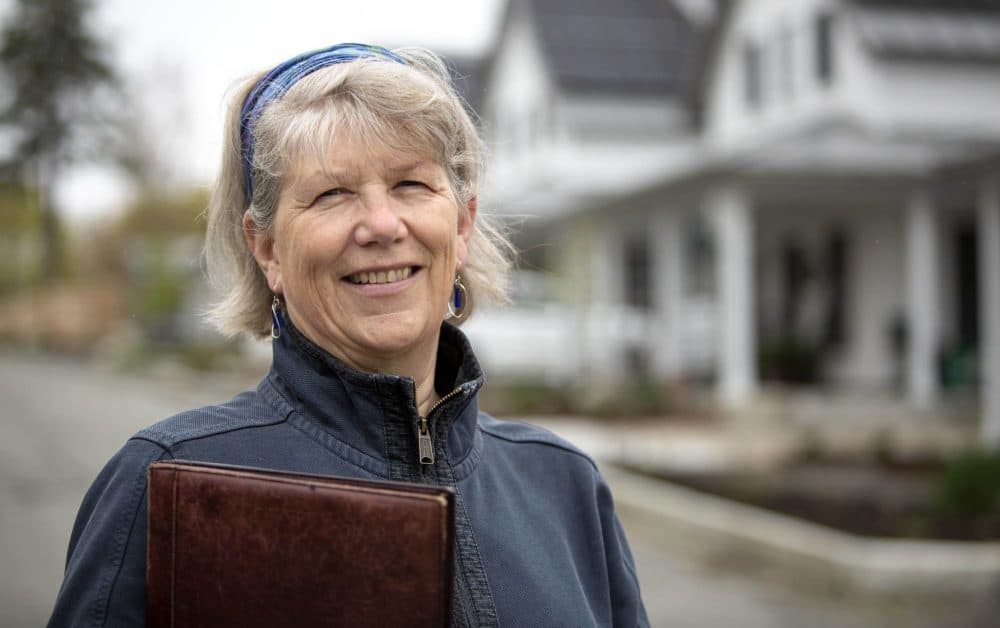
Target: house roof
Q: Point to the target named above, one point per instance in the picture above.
(624, 45)
(990, 6)
(961, 30)
(469, 77)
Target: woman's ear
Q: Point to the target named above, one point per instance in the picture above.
(261, 246)
(466, 225)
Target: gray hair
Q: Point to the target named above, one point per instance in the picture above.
(413, 106)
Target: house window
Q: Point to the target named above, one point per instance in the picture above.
(795, 274)
(638, 292)
(752, 79)
(538, 121)
(637, 362)
(835, 332)
(824, 48)
(786, 62)
(699, 257)
(967, 285)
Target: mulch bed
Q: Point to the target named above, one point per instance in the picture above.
(874, 499)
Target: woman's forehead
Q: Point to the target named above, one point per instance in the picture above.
(353, 161)
(343, 149)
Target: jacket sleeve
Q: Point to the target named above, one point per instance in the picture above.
(626, 601)
(105, 579)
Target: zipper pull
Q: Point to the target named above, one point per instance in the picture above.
(425, 446)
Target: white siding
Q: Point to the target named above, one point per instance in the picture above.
(889, 96)
(520, 90)
(937, 99)
(730, 122)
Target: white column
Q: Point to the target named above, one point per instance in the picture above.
(989, 309)
(732, 218)
(923, 315)
(668, 277)
(605, 296)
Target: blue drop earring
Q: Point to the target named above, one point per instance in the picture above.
(459, 299)
(277, 320)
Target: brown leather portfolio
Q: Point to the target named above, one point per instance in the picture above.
(235, 546)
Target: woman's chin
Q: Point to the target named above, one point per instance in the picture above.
(393, 335)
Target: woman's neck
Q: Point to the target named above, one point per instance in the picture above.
(419, 364)
(427, 395)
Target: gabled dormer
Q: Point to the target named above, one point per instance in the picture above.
(520, 87)
(776, 64)
(577, 89)
(909, 70)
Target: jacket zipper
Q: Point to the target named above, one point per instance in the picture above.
(425, 446)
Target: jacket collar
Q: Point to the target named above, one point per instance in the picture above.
(376, 414)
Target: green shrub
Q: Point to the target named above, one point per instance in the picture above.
(160, 293)
(523, 396)
(638, 397)
(968, 487)
(207, 356)
(791, 361)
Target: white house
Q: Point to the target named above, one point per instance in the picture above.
(584, 100)
(718, 187)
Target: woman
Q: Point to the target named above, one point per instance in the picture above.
(344, 225)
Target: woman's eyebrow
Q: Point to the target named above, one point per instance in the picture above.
(397, 171)
(325, 176)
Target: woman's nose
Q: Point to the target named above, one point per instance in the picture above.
(380, 223)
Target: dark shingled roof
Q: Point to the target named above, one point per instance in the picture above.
(617, 45)
(961, 30)
(469, 76)
(975, 6)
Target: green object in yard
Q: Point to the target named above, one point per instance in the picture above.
(969, 485)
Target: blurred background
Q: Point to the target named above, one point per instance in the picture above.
(759, 273)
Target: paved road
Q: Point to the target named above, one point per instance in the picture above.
(61, 419)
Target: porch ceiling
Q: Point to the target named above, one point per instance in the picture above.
(836, 163)
(557, 182)
(843, 150)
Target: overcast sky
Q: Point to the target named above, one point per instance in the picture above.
(182, 55)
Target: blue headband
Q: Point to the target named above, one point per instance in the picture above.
(280, 79)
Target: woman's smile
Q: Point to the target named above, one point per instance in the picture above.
(381, 276)
(382, 283)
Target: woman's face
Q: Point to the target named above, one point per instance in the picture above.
(364, 251)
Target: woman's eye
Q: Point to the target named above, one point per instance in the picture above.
(411, 183)
(331, 192)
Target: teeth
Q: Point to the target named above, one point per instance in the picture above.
(391, 276)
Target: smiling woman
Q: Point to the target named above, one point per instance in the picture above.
(344, 226)
(364, 254)
(402, 105)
